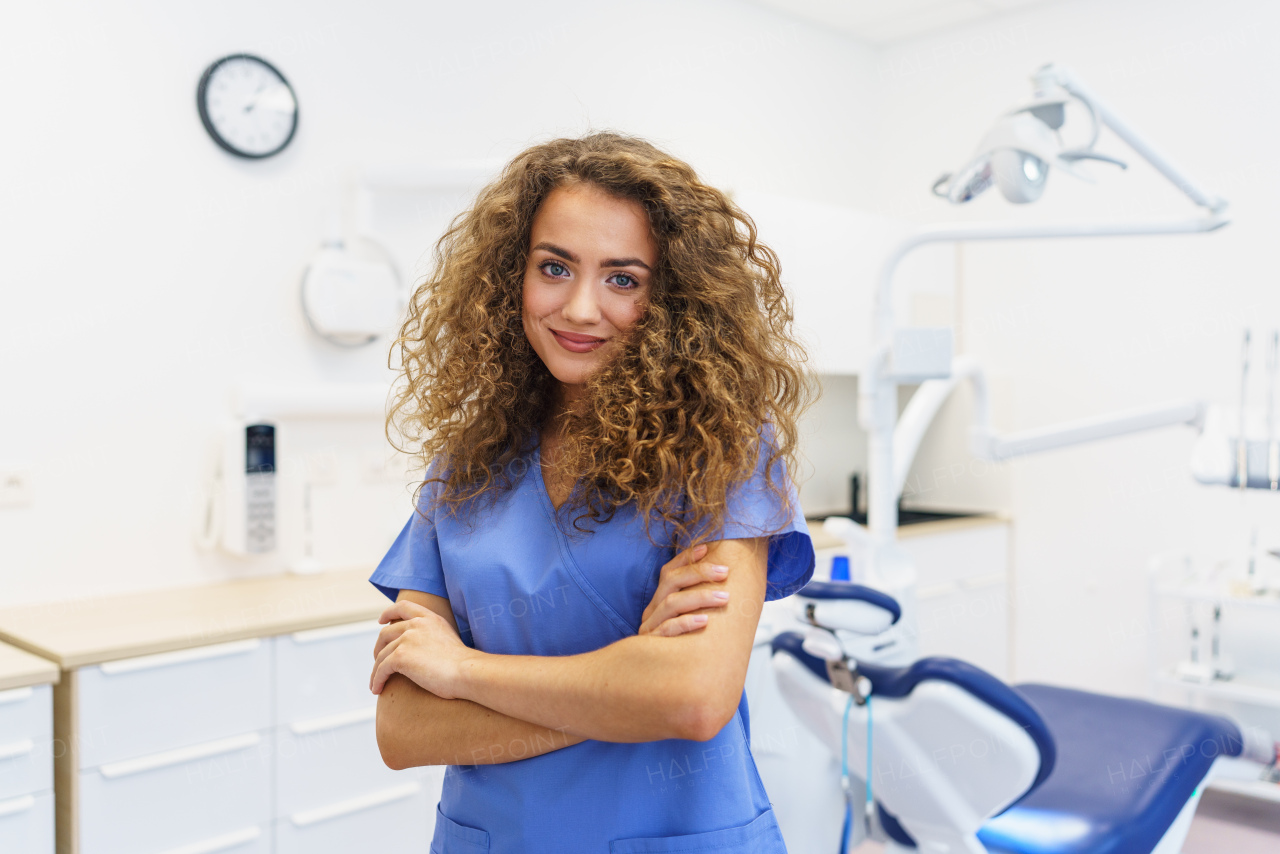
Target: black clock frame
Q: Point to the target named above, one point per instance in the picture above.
(201, 93)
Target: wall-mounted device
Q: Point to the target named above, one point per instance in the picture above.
(303, 480)
(249, 482)
(351, 292)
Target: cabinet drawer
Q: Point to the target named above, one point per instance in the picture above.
(26, 824)
(26, 738)
(324, 671)
(179, 799)
(139, 706)
(327, 760)
(976, 554)
(397, 817)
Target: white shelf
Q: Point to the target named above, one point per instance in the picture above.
(1204, 592)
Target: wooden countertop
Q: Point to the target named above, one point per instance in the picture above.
(823, 540)
(19, 668)
(82, 632)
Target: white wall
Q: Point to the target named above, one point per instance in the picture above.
(1084, 327)
(148, 274)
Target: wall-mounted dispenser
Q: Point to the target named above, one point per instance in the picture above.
(351, 291)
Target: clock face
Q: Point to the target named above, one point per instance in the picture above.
(247, 106)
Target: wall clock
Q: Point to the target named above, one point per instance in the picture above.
(247, 106)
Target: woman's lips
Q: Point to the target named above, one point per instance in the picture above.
(576, 346)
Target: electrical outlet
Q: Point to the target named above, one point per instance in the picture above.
(15, 486)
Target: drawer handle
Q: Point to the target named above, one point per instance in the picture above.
(17, 748)
(17, 805)
(220, 843)
(364, 802)
(16, 695)
(359, 716)
(342, 631)
(182, 656)
(177, 757)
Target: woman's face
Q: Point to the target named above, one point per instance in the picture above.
(591, 258)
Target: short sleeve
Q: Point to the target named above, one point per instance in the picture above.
(413, 561)
(753, 510)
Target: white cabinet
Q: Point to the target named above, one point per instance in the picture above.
(264, 744)
(139, 706)
(962, 592)
(232, 718)
(26, 752)
(26, 733)
(315, 671)
(333, 792)
(26, 823)
(184, 799)
(387, 819)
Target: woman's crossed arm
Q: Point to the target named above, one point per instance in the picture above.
(474, 708)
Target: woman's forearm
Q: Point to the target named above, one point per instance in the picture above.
(640, 688)
(415, 727)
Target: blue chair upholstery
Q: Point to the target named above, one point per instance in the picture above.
(1125, 770)
(849, 591)
(1114, 772)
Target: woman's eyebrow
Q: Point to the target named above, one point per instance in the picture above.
(608, 262)
(623, 262)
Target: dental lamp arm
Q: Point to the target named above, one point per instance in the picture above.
(877, 387)
(988, 446)
(1059, 75)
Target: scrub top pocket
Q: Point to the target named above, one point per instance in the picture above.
(453, 838)
(762, 834)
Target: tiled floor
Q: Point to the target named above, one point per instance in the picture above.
(1234, 823)
(1223, 823)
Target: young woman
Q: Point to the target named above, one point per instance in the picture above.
(601, 381)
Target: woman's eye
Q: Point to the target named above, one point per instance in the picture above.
(624, 280)
(554, 269)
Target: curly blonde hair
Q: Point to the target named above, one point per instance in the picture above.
(708, 376)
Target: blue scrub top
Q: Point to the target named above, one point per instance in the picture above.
(518, 585)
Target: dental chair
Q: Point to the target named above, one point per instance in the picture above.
(962, 762)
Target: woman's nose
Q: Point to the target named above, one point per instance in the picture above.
(582, 307)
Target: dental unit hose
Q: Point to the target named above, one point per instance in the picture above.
(869, 805)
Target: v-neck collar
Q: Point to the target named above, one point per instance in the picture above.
(536, 469)
(541, 484)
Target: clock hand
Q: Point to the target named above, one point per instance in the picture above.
(276, 98)
(253, 101)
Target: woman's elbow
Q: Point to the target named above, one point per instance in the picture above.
(390, 728)
(389, 744)
(703, 714)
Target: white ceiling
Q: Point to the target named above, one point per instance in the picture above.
(884, 21)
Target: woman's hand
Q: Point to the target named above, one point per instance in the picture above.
(422, 645)
(668, 612)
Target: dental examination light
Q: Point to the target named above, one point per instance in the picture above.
(1024, 145)
(1016, 155)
